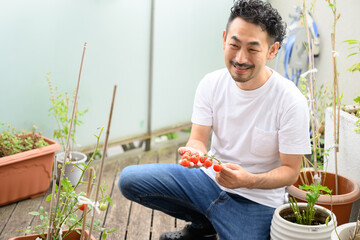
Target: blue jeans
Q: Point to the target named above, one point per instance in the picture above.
(190, 195)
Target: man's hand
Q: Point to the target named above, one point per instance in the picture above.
(189, 151)
(233, 176)
(183, 150)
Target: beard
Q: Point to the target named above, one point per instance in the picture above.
(238, 77)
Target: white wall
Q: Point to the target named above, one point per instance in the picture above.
(43, 36)
(347, 28)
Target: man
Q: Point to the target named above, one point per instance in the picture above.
(260, 132)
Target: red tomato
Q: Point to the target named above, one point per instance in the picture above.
(217, 167)
(82, 207)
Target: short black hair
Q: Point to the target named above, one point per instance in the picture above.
(262, 14)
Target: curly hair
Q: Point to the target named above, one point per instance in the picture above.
(262, 14)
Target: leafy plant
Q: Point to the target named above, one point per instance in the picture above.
(60, 109)
(307, 216)
(13, 141)
(69, 211)
(355, 46)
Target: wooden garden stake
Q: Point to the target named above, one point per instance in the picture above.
(103, 156)
(52, 214)
(85, 209)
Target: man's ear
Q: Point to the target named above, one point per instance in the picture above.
(273, 50)
(224, 39)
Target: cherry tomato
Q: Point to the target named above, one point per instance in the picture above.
(82, 207)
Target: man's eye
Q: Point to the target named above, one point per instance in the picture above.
(253, 50)
(233, 45)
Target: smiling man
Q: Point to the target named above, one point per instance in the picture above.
(260, 132)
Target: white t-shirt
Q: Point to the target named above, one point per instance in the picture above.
(251, 128)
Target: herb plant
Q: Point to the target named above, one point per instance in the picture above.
(307, 216)
(13, 141)
(60, 109)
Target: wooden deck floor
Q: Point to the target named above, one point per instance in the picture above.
(134, 221)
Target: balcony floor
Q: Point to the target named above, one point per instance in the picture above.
(134, 221)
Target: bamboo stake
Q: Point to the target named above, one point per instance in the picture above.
(85, 209)
(52, 215)
(103, 156)
(336, 99)
(312, 95)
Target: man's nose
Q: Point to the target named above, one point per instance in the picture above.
(241, 56)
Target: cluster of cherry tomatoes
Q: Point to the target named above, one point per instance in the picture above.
(195, 160)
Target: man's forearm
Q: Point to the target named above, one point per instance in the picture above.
(279, 177)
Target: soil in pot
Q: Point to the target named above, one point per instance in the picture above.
(319, 218)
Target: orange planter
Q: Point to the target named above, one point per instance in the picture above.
(27, 174)
(342, 203)
(72, 236)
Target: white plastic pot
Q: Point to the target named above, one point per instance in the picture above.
(343, 231)
(72, 171)
(282, 229)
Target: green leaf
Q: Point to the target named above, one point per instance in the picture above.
(357, 99)
(67, 185)
(48, 198)
(111, 230)
(327, 220)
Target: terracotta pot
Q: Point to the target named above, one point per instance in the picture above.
(27, 174)
(342, 203)
(72, 236)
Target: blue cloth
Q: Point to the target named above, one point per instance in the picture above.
(190, 195)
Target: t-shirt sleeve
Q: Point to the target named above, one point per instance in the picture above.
(202, 108)
(294, 136)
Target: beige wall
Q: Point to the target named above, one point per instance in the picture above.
(347, 28)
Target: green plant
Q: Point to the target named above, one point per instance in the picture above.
(354, 46)
(60, 109)
(69, 213)
(13, 141)
(307, 216)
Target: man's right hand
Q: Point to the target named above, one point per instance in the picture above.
(186, 153)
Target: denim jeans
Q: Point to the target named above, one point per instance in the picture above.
(190, 195)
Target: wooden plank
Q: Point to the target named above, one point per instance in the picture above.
(20, 218)
(118, 214)
(161, 221)
(139, 226)
(5, 214)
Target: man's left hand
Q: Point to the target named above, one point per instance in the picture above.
(233, 176)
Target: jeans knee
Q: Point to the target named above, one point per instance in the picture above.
(126, 181)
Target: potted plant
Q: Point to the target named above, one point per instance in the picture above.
(60, 109)
(68, 217)
(348, 231)
(302, 221)
(346, 191)
(26, 160)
